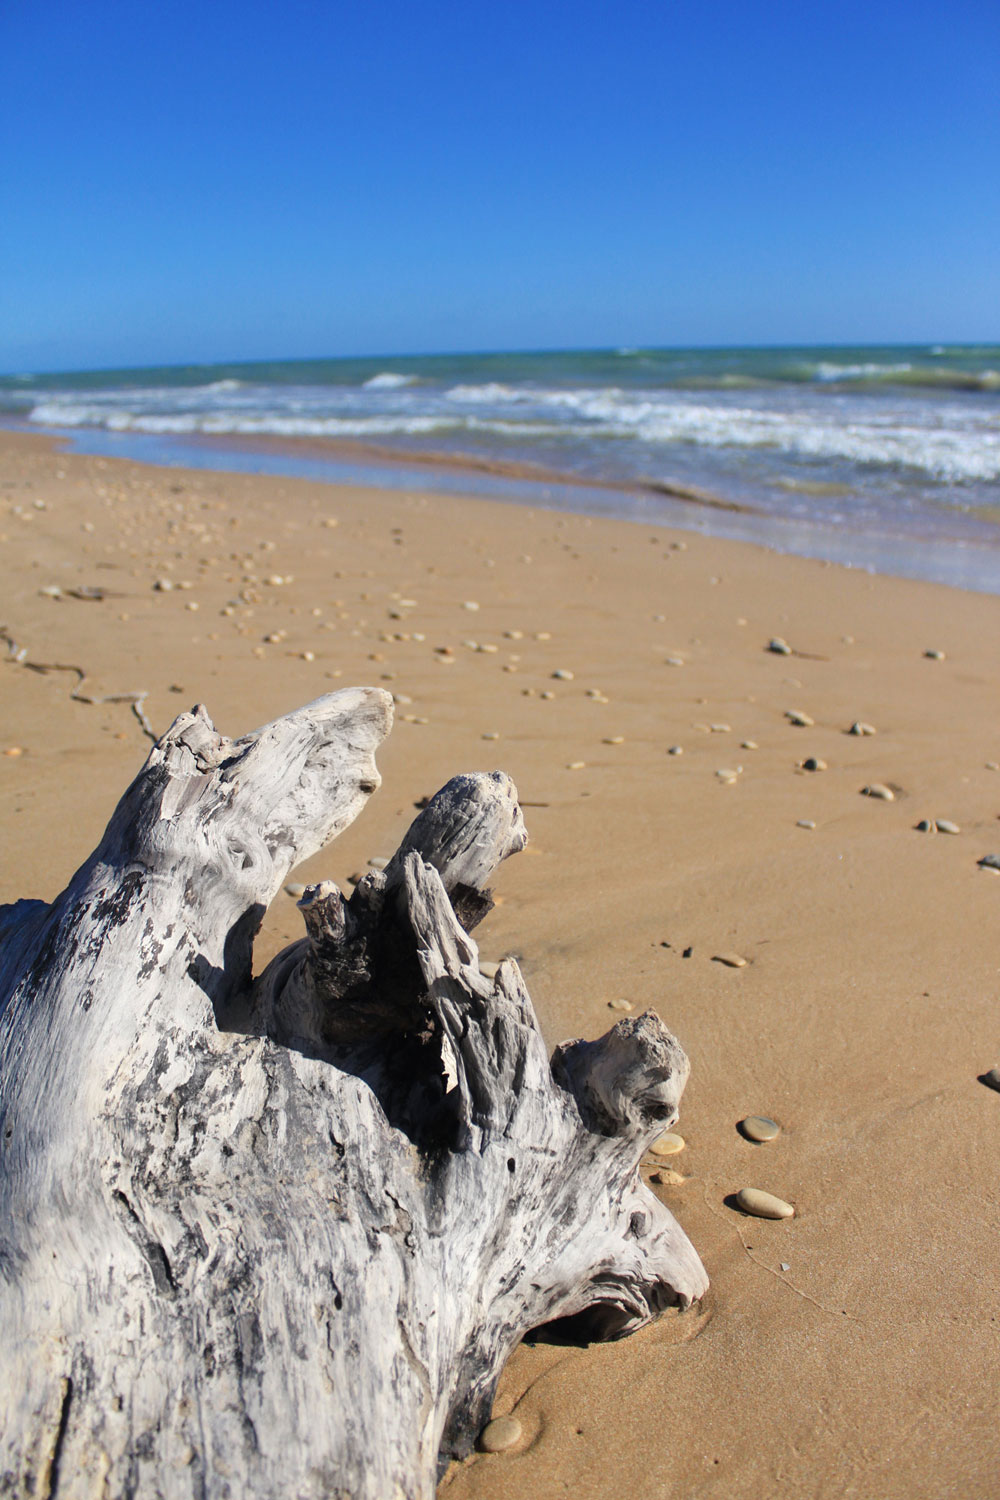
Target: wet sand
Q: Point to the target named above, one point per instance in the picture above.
(868, 1004)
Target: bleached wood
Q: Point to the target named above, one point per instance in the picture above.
(277, 1238)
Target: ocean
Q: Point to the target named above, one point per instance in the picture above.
(882, 457)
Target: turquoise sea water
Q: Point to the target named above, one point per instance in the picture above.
(889, 457)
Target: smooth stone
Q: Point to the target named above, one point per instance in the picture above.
(563, 674)
(731, 960)
(721, 728)
(926, 825)
(993, 765)
(614, 739)
(763, 1205)
(934, 655)
(860, 727)
(991, 1078)
(813, 763)
(293, 888)
(881, 792)
(989, 862)
(576, 765)
(748, 745)
(668, 1145)
(779, 647)
(487, 969)
(620, 1005)
(797, 717)
(785, 1265)
(805, 823)
(945, 825)
(674, 661)
(728, 776)
(676, 750)
(760, 1128)
(500, 1434)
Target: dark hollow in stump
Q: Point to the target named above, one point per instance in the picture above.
(277, 1237)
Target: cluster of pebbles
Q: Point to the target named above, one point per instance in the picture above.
(759, 1130)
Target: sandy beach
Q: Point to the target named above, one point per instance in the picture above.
(850, 1351)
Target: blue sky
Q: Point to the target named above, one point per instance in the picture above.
(188, 182)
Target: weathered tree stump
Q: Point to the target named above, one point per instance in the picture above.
(276, 1238)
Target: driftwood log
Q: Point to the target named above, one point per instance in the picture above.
(277, 1237)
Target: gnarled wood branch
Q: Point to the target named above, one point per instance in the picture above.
(277, 1237)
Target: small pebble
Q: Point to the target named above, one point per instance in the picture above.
(785, 1265)
(676, 750)
(763, 1205)
(576, 765)
(163, 585)
(860, 727)
(779, 647)
(669, 1144)
(500, 1434)
(614, 739)
(731, 960)
(945, 825)
(749, 745)
(934, 655)
(13, 750)
(674, 661)
(988, 861)
(489, 736)
(668, 1177)
(563, 674)
(721, 728)
(729, 776)
(470, 604)
(797, 717)
(620, 1005)
(805, 823)
(880, 791)
(488, 970)
(295, 889)
(991, 1078)
(993, 765)
(813, 763)
(927, 825)
(759, 1128)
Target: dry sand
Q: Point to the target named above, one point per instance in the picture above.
(868, 1004)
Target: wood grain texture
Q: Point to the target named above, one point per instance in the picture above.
(277, 1238)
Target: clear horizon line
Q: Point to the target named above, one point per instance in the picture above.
(186, 364)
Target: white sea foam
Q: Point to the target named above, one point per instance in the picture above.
(53, 414)
(388, 380)
(826, 370)
(941, 440)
